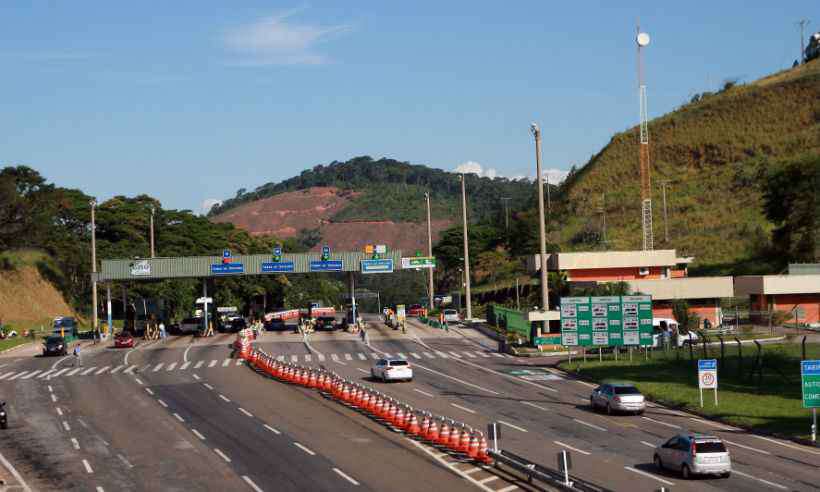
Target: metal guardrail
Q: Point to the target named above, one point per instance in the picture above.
(534, 471)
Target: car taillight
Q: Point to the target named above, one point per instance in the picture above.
(617, 399)
(694, 449)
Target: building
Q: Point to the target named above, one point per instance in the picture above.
(703, 294)
(795, 294)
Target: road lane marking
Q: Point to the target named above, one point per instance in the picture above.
(401, 355)
(162, 403)
(199, 364)
(455, 354)
(484, 354)
(100, 489)
(125, 461)
(31, 374)
(586, 453)
(305, 449)
(463, 408)
(196, 376)
(471, 470)
(250, 483)
(116, 369)
(348, 357)
(280, 358)
(184, 366)
(468, 354)
(158, 366)
(249, 414)
(647, 474)
(149, 391)
(82, 422)
(439, 457)
(496, 354)
(66, 426)
(295, 358)
(508, 376)
(75, 443)
(785, 445)
(513, 426)
(308, 358)
(226, 362)
(415, 355)
(466, 383)
(225, 398)
(45, 374)
(18, 375)
(14, 473)
(138, 380)
(362, 370)
(54, 398)
(488, 479)
(661, 423)
(345, 476)
(429, 355)
(50, 389)
(321, 357)
(712, 424)
(776, 485)
(530, 404)
(88, 371)
(361, 356)
(441, 354)
(746, 447)
(171, 366)
(424, 393)
(375, 355)
(61, 371)
(75, 371)
(509, 488)
(102, 370)
(388, 355)
(222, 455)
(208, 386)
(213, 363)
(275, 431)
(648, 444)
(185, 354)
(4, 376)
(593, 426)
(130, 370)
(59, 411)
(87, 466)
(178, 417)
(197, 434)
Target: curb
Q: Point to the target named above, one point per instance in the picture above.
(16, 347)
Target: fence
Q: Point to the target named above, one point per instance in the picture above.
(510, 320)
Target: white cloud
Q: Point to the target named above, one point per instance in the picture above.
(209, 203)
(275, 40)
(554, 176)
(472, 167)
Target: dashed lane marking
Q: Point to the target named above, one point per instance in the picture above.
(586, 453)
(250, 483)
(208, 386)
(54, 398)
(345, 476)
(591, 426)
(401, 355)
(513, 426)
(196, 376)
(648, 444)
(66, 426)
(531, 404)
(785, 445)
(305, 449)
(139, 381)
(222, 455)
(746, 447)
(247, 413)
(179, 417)
(468, 410)
(417, 356)
(225, 398)
(362, 370)
(667, 424)
(171, 366)
(59, 411)
(429, 355)
(162, 403)
(424, 393)
(752, 477)
(468, 354)
(87, 466)
(197, 434)
(226, 362)
(149, 391)
(647, 474)
(275, 431)
(75, 443)
(455, 354)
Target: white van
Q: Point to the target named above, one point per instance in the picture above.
(660, 325)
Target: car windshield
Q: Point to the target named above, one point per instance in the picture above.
(124, 335)
(626, 390)
(398, 363)
(710, 447)
(450, 311)
(54, 340)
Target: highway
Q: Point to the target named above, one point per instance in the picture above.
(186, 414)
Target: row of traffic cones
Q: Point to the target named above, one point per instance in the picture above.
(439, 431)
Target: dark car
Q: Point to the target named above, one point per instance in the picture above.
(275, 324)
(55, 345)
(326, 323)
(237, 324)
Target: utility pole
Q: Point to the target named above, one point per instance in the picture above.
(93, 204)
(466, 250)
(536, 132)
(506, 201)
(429, 250)
(802, 23)
(153, 209)
(642, 40)
(603, 217)
(664, 184)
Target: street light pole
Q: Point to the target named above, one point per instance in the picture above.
(152, 230)
(541, 225)
(93, 266)
(466, 250)
(429, 249)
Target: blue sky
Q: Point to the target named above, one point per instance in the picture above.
(192, 100)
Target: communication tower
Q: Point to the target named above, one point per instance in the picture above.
(642, 39)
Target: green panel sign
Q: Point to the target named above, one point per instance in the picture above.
(606, 321)
(810, 376)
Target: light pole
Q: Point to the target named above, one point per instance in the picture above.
(93, 204)
(429, 249)
(153, 209)
(466, 250)
(536, 132)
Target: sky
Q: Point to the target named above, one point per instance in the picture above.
(189, 101)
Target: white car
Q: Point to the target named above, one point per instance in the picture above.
(694, 454)
(451, 316)
(392, 370)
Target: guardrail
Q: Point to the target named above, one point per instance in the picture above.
(534, 471)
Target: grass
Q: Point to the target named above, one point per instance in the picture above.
(13, 342)
(770, 402)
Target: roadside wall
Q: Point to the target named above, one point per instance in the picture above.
(26, 297)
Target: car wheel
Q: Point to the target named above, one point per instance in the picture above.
(685, 472)
(726, 475)
(592, 404)
(658, 462)
(639, 412)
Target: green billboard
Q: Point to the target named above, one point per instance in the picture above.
(810, 379)
(606, 321)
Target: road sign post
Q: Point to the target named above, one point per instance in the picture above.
(707, 377)
(493, 432)
(810, 382)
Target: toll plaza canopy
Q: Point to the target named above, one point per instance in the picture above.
(261, 264)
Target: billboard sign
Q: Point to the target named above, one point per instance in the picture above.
(606, 321)
(810, 379)
(326, 266)
(377, 266)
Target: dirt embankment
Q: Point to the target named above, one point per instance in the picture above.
(26, 297)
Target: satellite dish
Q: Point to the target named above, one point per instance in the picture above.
(642, 39)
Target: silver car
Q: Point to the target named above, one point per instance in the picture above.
(393, 369)
(617, 397)
(694, 454)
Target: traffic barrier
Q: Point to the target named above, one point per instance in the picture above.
(482, 450)
(432, 433)
(392, 412)
(399, 421)
(413, 429)
(312, 380)
(464, 444)
(472, 450)
(444, 434)
(455, 438)
(424, 430)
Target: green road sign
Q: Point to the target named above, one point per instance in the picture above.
(606, 321)
(418, 262)
(810, 376)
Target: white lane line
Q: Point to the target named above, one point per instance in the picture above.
(247, 413)
(74, 371)
(455, 354)
(429, 355)
(345, 476)
(213, 363)
(50, 389)
(125, 461)
(592, 426)
(59, 411)
(61, 371)
(303, 448)
(225, 398)
(488, 479)
(18, 375)
(417, 356)
(439, 457)
(66, 426)
(171, 366)
(746, 447)
(159, 366)
(484, 354)
(88, 371)
(531, 404)
(149, 391)
(512, 425)
(648, 444)
(179, 417)
(54, 398)
(185, 354)
(348, 357)
(226, 362)
(463, 408)
(661, 423)
(250, 483)
(75, 443)
(295, 358)
(266, 426)
(775, 485)
(712, 424)
(196, 376)
(208, 386)
(199, 364)
(139, 381)
(130, 370)
(472, 470)
(197, 434)
(87, 466)
(102, 370)
(362, 370)
(45, 374)
(401, 355)
(424, 393)
(14, 473)
(785, 445)
(31, 374)
(465, 383)
(508, 376)
(646, 474)
(4, 376)
(587, 453)
(509, 488)
(184, 366)
(468, 354)
(308, 358)
(82, 422)
(116, 369)
(321, 357)
(222, 455)
(162, 403)
(361, 356)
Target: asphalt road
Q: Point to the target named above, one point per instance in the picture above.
(182, 414)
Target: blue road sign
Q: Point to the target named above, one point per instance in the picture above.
(228, 269)
(277, 267)
(377, 266)
(326, 266)
(226, 253)
(277, 251)
(707, 365)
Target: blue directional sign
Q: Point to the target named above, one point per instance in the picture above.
(707, 365)
(326, 266)
(226, 253)
(228, 269)
(377, 266)
(325, 253)
(277, 267)
(277, 253)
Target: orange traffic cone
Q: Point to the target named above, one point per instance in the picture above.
(455, 438)
(366, 402)
(432, 432)
(444, 435)
(425, 427)
(464, 444)
(392, 412)
(413, 429)
(483, 456)
(345, 393)
(312, 380)
(472, 450)
(399, 421)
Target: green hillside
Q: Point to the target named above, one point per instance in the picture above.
(715, 154)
